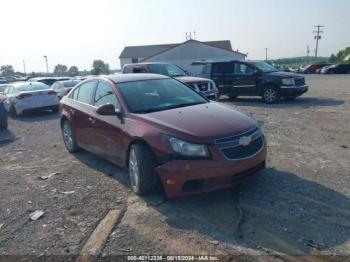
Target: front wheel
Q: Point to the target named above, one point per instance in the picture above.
(233, 97)
(68, 137)
(141, 169)
(270, 95)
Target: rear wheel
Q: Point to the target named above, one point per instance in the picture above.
(13, 112)
(141, 169)
(55, 109)
(68, 137)
(270, 95)
(3, 124)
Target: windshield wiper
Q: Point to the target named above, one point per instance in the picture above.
(184, 105)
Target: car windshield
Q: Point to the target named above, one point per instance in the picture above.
(265, 67)
(157, 95)
(166, 69)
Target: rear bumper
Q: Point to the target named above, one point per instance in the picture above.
(188, 177)
(22, 106)
(293, 90)
(211, 95)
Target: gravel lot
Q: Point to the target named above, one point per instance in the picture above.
(298, 206)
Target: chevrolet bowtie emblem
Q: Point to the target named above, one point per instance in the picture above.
(245, 140)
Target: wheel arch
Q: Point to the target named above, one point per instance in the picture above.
(136, 140)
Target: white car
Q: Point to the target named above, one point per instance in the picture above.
(25, 96)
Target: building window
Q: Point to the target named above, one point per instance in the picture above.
(134, 60)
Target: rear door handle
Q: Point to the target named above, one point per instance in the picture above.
(92, 120)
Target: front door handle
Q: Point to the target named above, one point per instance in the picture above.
(72, 111)
(92, 120)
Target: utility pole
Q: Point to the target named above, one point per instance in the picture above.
(266, 54)
(24, 66)
(317, 37)
(47, 65)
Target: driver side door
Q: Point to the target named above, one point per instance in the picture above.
(110, 138)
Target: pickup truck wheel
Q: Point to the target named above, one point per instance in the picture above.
(68, 137)
(141, 169)
(233, 97)
(270, 95)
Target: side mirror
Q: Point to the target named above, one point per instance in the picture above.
(109, 110)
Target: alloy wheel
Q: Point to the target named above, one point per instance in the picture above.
(134, 170)
(67, 136)
(270, 95)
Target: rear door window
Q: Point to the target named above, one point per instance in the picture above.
(223, 68)
(86, 92)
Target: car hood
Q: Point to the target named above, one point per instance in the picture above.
(200, 123)
(191, 79)
(285, 74)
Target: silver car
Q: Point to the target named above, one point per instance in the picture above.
(25, 96)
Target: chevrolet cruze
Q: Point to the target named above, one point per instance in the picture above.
(163, 132)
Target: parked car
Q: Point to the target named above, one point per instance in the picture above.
(3, 114)
(63, 87)
(26, 96)
(311, 69)
(159, 128)
(3, 80)
(252, 78)
(48, 80)
(336, 69)
(202, 85)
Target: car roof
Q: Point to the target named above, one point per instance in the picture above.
(20, 84)
(123, 78)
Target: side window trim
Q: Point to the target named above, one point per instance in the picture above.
(103, 81)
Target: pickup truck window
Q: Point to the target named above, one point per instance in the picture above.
(243, 69)
(223, 68)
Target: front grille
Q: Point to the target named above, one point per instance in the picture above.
(241, 151)
(255, 132)
(200, 87)
(299, 81)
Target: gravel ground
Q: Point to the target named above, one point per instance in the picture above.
(298, 206)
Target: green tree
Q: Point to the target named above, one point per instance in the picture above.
(99, 68)
(333, 59)
(73, 71)
(60, 70)
(7, 70)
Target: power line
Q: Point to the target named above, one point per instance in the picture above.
(317, 37)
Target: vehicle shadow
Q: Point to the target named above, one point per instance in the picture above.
(6, 137)
(278, 210)
(300, 102)
(37, 116)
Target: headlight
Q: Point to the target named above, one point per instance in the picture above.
(288, 82)
(188, 149)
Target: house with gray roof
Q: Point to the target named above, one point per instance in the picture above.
(182, 54)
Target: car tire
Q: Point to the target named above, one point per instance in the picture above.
(141, 165)
(55, 109)
(3, 125)
(68, 137)
(233, 97)
(13, 112)
(270, 95)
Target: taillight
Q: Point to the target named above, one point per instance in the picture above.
(52, 93)
(21, 96)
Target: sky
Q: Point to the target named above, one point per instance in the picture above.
(75, 32)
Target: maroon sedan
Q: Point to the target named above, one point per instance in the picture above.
(163, 132)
